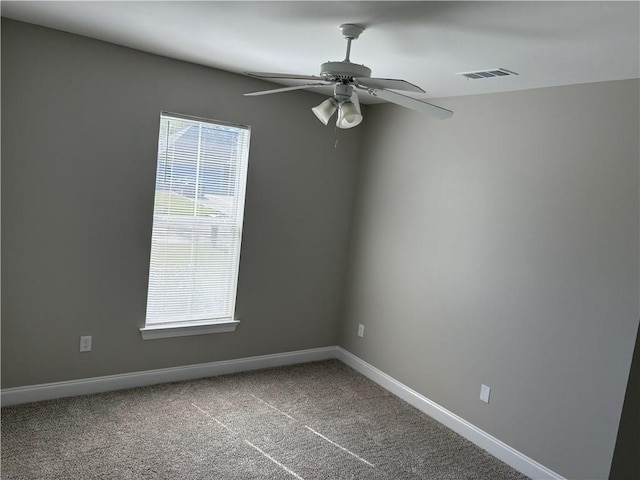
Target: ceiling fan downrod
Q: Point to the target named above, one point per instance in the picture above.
(345, 71)
(350, 32)
(346, 57)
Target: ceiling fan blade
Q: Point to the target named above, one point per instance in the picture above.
(391, 83)
(286, 89)
(412, 103)
(284, 76)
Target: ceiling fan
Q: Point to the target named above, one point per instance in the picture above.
(347, 79)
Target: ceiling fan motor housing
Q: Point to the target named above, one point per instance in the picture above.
(344, 70)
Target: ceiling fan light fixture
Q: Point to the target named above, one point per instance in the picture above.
(349, 115)
(325, 110)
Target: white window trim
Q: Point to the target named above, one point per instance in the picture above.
(185, 329)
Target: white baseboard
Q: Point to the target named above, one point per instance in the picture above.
(72, 388)
(510, 456)
(495, 447)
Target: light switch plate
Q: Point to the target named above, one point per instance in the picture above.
(484, 393)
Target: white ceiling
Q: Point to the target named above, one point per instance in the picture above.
(425, 43)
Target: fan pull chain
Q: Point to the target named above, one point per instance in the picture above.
(335, 129)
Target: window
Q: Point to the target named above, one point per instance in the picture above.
(197, 227)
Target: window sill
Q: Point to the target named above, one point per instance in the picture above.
(186, 329)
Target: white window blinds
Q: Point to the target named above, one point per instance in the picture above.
(197, 221)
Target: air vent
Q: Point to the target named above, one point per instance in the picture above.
(489, 73)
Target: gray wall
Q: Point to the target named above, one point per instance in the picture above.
(79, 142)
(501, 247)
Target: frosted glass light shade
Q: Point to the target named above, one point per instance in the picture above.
(325, 110)
(349, 115)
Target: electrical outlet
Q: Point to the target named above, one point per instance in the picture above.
(360, 330)
(85, 343)
(484, 393)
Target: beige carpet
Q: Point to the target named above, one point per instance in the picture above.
(318, 420)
